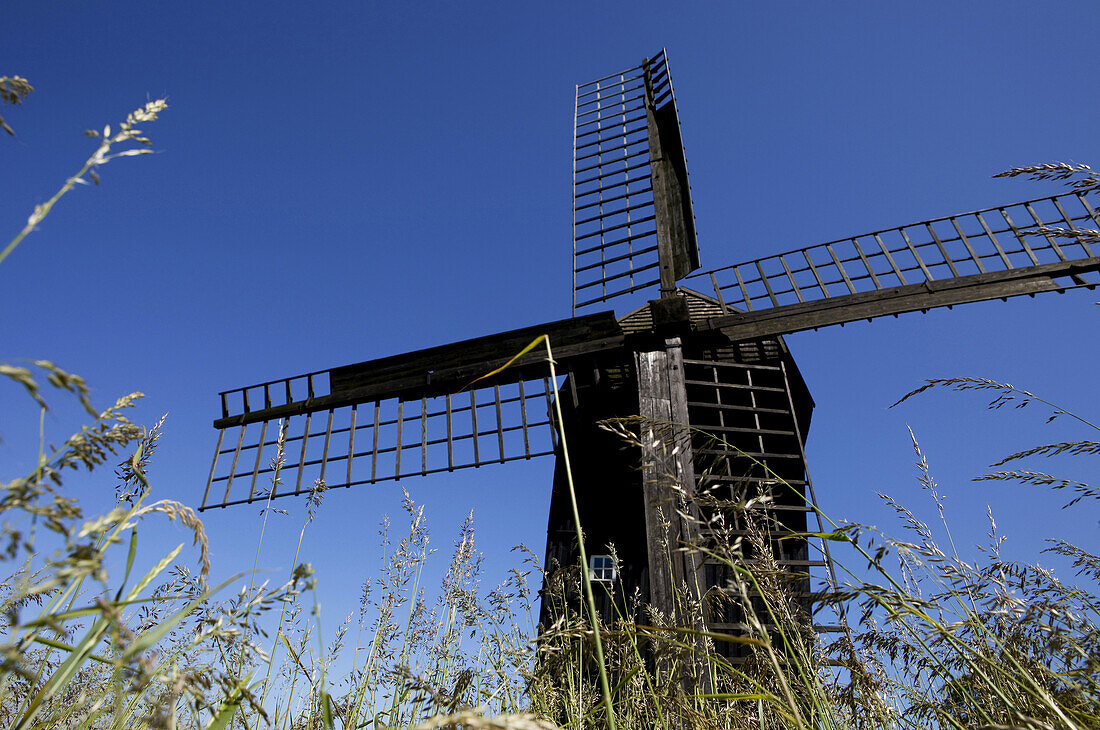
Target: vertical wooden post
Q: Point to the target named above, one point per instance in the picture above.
(668, 488)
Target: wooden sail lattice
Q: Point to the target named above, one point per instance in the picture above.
(615, 222)
(985, 254)
(383, 440)
(388, 419)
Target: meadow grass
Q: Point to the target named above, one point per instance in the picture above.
(934, 637)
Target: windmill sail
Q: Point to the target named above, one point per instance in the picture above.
(633, 225)
(397, 417)
(994, 253)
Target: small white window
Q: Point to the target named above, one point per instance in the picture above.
(602, 568)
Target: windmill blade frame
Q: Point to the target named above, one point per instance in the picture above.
(633, 222)
(422, 414)
(941, 262)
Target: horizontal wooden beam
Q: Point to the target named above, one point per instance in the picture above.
(450, 368)
(897, 300)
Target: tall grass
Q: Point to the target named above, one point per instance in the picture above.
(937, 636)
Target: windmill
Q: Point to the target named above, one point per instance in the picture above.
(706, 352)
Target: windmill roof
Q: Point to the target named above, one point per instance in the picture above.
(700, 308)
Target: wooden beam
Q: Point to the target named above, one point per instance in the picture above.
(447, 369)
(668, 478)
(677, 249)
(897, 300)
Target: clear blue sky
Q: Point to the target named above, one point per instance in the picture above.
(342, 181)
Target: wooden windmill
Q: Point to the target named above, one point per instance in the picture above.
(706, 353)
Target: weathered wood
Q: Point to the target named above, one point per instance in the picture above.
(668, 476)
(502, 346)
(432, 382)
(897, 300)
(677, 249)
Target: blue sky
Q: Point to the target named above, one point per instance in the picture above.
(345, 181)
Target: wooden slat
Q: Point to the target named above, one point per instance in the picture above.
(867, 264)
(744, 291)
(790, 277)
(840, 269)
(1050, 239)
(916, 256)
(547, 390)
(993, 239)
(450, 437)
(400, 425)
(233, 466)
(1069, 224)
(213, 466)
(523, 418)
(767, 285)
(302, 457)
(962, 237)
(1019, 236)
(374, 449)
(893, 265)
(351, 441)
(473, 425)
(259, 456)
(423, 435)
(500, 423)
(324, 452)
(943, 251)
(813, 268)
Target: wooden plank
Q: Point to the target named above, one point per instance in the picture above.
(547, 389)
(213, 466)
(962, 237)
(450, 437)
(259, 455)
(523, 419)
(790, 277)
(840, 268)
(718, 293)
(767, 284)
(1070, 225)
(500, 423)
(351, 441)
(654, 406)
(1050, 239)
(423, 435)
(678, 251)
(233, 466)
(324, 451)
(943, 251)
(662, 399)
(1088, 207)
(893, 264)
(1019, 236)
(302, 456)
(820, 283)
(866, 264)
(400, 424)
(374, 448)
(916, 256)
(473, 426)
(746, 299)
